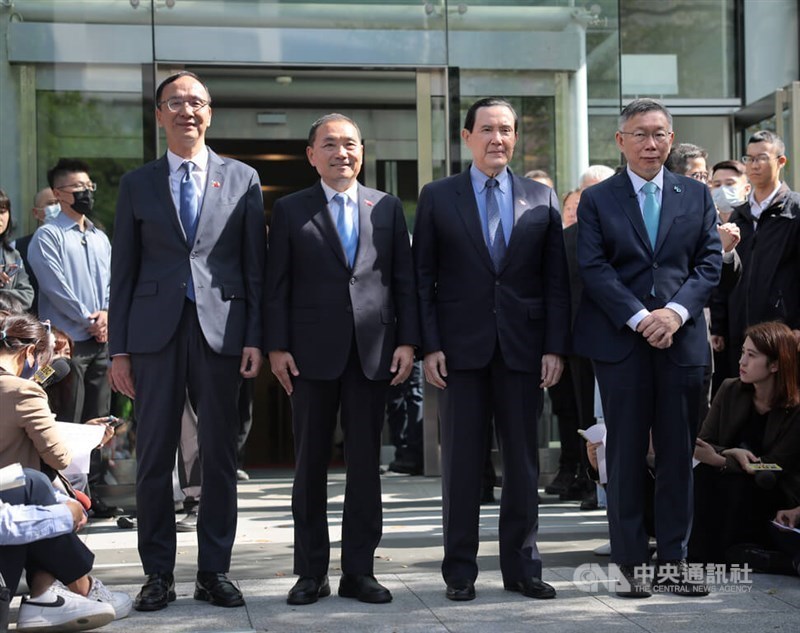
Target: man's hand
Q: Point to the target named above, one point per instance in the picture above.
(120, 376)
(283, 366)
(435, 369)
(78, 515)
(743, 457)
(552, 368)
(251, 362)
(717, 343)
(789, 518)
(730, 235)
(659, 326)
(108, 432)
(402, 363)
(99, 326)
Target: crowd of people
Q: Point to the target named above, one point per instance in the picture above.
(624, 289)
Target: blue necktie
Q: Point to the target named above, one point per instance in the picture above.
(497, 239)
(651, 211)
(189, 212)
(346, 234)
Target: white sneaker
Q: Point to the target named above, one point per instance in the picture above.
(61, 611)
(603, 550)
(121, 602)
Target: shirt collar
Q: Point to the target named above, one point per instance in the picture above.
(638, 182)
(62, 220)
(479, 179)
(767, 201)
(200, 160)
(351, 192)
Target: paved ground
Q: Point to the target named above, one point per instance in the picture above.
(408, 563)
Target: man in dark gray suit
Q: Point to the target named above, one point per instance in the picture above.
(341, 323)
(185, 318)
(494, 300)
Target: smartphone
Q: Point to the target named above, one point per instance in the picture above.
(10, 269)
(114, 421)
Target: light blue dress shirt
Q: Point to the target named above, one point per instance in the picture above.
(26, 524)
(505, 200)
(74, 273)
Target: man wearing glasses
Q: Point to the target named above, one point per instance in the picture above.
(769, 287)
(649, 255)
(186, 287)
(71, 259)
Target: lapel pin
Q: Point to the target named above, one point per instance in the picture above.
(369, 203)
(522, 202)
(676, 188)
(215, 184)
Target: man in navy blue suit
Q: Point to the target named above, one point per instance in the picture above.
(494, 305)
(649, 255)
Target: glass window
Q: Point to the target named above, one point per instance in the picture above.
(687, 46)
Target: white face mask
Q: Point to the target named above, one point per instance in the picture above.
(726, 198)
(51, 211)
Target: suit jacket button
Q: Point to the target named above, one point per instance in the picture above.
(352, 281)
(655, 264)
(497, 282)
(494, 310)
(193, 255)
(183, 284)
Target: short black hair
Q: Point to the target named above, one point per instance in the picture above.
(175, 77)
(678, 160)
(66, 166)
(327, 118)
(488, 102)
(765, 136)
(732, 165)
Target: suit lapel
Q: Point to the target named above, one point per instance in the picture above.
(521, 205)
(321, 217)
(211, 196)
(366, 204)
(467, 208)
(626, 197)
(671, 207)
(164, 195)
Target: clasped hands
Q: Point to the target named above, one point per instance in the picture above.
(659, 326)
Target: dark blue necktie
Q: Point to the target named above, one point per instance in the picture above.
(497, 239)
(189, 212)
(346, 233)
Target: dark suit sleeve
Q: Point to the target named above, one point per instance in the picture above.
(277, 284)
(403, 285)
(124, 269)
(556, 287)
(704, 276)
(425, 266)
(600, 281)
(253, 256)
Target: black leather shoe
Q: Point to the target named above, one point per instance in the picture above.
(672, 576)
(157, 591)
(307, 590)
(632, 585)
(217, 589)
(461, 590)
(364, 589)
(532, 588)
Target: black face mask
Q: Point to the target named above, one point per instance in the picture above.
(83, 201)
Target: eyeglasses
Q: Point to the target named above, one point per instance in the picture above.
(175, 104)
(702, 176)
(75, 187)
(758, 160)
(640, 137)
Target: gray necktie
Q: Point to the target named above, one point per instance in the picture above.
(497, 239)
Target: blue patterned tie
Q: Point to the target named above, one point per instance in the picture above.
(497, 239)
(346, 234)
(651, 211)
(189, 213)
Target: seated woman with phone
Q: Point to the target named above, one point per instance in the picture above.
(748, 449)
